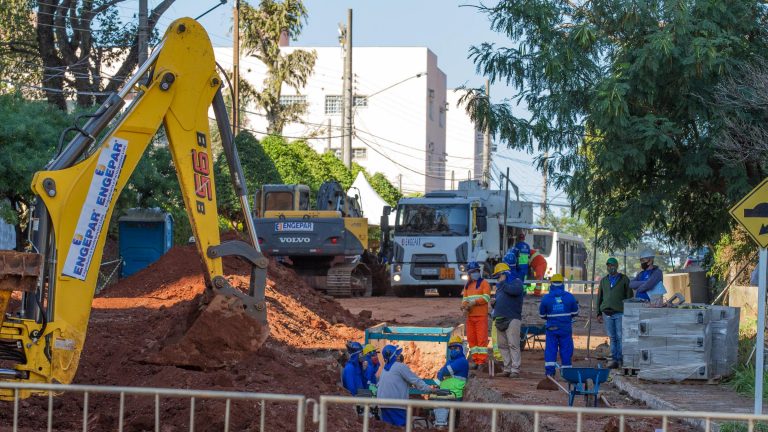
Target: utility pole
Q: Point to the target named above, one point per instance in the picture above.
(544, 188)
(505, 241)
(400, 183)
(348, 98)
(453, 178)
(236, 68)
(143, 32)
(487, 143)
(329, 135)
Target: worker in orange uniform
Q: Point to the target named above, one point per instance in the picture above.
(539, 266)
(474, 303)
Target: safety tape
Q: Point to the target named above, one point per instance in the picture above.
(559, 315)
(478, 350)
(550, 363)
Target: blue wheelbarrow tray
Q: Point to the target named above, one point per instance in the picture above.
(578, 379)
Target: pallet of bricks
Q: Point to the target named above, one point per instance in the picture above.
(689, 342)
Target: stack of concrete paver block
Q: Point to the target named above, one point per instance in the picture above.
(630, 334)
(675, 344)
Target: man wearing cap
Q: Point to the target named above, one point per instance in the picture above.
(507, 316)
(393, 384)
(648, 284)
(614, 289)
(559, 308)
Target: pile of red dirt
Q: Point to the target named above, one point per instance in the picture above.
(136, 338)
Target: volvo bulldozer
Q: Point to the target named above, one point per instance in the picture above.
(76, 192)
(323, 245)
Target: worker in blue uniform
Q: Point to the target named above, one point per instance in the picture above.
(559, 308)
(523, 250)
(352, 376)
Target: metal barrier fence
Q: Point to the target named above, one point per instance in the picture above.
(493, 409)
(157, 393)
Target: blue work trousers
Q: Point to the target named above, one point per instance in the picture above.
(558, 340)
(393, 416)
(613, 330)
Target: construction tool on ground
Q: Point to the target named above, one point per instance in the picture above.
(325, 245)
(550, 383)
(43, 340)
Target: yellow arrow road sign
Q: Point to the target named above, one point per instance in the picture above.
(752, 213)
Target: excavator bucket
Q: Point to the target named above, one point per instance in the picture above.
(18, 272)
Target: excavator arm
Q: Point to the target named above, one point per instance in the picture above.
(77, 193)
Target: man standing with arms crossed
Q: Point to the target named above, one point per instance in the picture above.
(614, 289)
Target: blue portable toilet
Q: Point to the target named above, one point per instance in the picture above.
(144, 236)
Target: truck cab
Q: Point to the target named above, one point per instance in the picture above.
(433, 240)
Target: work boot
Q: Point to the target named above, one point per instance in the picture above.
(473, 366)
(514, 374)
(504, 374)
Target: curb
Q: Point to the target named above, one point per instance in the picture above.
(657, 403)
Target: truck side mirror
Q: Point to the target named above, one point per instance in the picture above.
(481, 212)
(482, 223)
(387, 210)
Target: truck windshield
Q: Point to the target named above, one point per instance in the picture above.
(432, 219)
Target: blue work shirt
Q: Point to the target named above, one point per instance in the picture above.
(559, 307)
(352, 377)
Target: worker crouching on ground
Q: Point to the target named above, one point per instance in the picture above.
(559, 308)
(614, 289)
(648, 284)
(507, 316)
(453, 376)
(393, 384)
(474, 303)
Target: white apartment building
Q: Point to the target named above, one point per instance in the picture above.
(401, 112)
(463, 144)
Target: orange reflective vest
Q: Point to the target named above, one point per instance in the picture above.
(480, 292)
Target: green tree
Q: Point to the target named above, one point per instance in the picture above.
(19, 59)
(258, 169)
(621, 96)
(29, 131)
(262, 29)
(79, 36)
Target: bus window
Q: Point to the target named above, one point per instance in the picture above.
(542, 243)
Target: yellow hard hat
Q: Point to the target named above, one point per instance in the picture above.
(368, 349)
(500, 267)
(556, 278)
(455, 340)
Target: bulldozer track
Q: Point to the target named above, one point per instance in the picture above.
(349, 280)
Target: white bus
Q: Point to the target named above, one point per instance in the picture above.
(565, 254)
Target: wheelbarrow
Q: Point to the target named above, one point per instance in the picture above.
(578, 382)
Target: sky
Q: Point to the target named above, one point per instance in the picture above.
(447, 27)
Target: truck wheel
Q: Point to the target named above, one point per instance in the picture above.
(445, 291)
(457, 291)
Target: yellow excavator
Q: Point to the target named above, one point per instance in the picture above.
(324, 245)
(76, 192)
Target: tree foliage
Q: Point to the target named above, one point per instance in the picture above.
(29, 131)
(72, 42)
(262, 29)
(275, 161)
(621, 96)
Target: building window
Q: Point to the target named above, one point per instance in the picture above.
(361, 101)
(359, 154)
(286, 100)
(431, 104)
(337, 153)
(333, 104)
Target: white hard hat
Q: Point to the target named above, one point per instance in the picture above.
(648, 253)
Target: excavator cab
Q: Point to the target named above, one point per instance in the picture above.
(278, 197)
